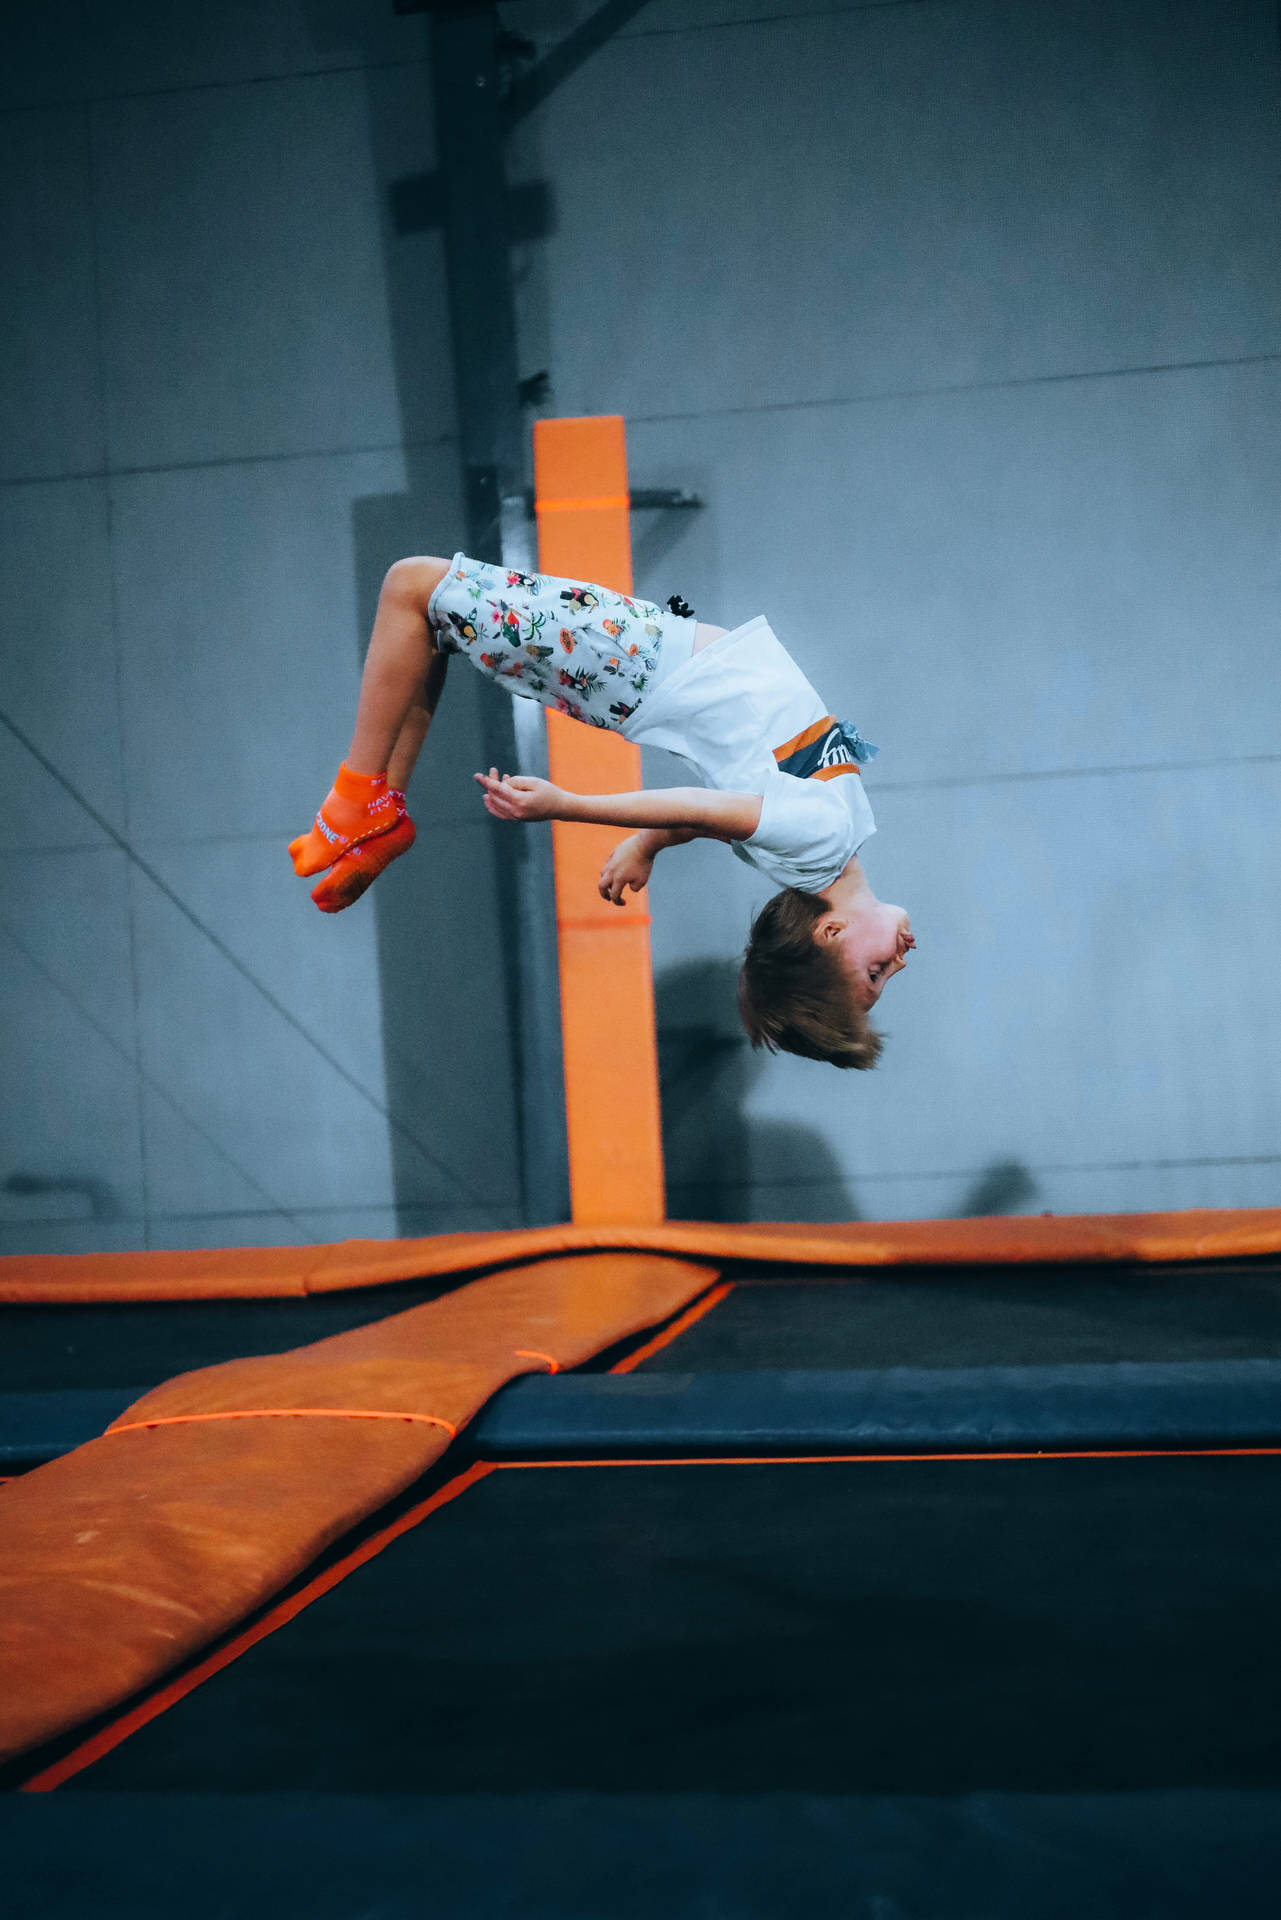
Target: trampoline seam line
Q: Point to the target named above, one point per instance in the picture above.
(682, 1323)
(878, 1459)
(283, 1413)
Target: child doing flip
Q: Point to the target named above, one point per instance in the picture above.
(784, 788)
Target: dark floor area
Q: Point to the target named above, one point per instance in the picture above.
(898, 1628)
(1179, 1856)
(994, 1316)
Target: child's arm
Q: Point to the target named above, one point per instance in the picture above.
(667, 816)
(652, 840)
(700, 810)
(632, 861)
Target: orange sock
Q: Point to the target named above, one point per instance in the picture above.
(357, 806)
(350, 875)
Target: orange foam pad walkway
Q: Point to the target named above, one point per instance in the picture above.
(122, 1559)
(246, 1272)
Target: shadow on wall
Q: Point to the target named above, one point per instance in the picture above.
(445, 916)
(441, 926)
(71, 1196)
(1004, 1187)
(723, 1163)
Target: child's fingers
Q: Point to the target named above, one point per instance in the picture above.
(506, 783)
(613, 886)
(497, 797)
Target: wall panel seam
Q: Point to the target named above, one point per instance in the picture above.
(72, 102)
(853, 1175)
(1270, 358)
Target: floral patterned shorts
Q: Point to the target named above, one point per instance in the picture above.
(578, 648)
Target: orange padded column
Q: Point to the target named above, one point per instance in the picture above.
(606, 982)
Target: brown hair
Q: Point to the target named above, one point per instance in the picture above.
(793, 993)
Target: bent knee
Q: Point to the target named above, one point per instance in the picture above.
(413, 580)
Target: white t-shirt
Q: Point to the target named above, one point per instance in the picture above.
(742, 712)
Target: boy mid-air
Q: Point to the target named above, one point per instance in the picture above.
(784, 787)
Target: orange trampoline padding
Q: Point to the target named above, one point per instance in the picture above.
(606, 987)
(243, 1272)
(124, 1558)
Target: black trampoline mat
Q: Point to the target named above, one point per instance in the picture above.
(898, 1317)
(992, 1316)
(932, 1627)
(1172, 1856)
(138, 1344)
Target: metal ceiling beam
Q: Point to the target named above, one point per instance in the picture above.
(563, 60)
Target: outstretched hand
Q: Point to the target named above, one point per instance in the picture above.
(518, 796)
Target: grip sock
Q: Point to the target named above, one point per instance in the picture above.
(354, 871)
(357, 807)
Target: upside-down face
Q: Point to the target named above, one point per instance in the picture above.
(874, 940)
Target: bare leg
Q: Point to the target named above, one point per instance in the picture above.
(409, 741)
(399, 688)
(398, 665)
(349, 876)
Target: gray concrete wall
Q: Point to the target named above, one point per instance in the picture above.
(962, 316)
(225, 407)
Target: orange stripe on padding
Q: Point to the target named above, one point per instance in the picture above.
(284, 1413)
(532, 1353)
(678, 1326)
(106, 1738)
(834, 773)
